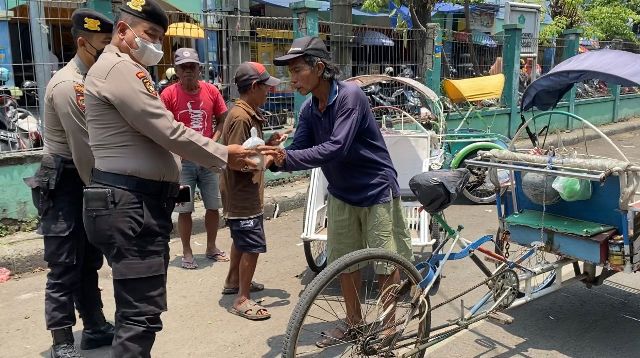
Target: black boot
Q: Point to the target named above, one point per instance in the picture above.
(63, 344)
(97, 331)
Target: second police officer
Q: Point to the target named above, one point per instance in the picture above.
(66, 165)
(127, 209)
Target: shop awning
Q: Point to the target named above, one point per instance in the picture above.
(185, 29)
(445, 7)
(403, 11)
(324, 6)
(480, 38)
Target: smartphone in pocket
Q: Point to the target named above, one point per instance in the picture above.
(98, 198)
(184, 194)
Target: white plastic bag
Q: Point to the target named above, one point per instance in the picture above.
(252, 142)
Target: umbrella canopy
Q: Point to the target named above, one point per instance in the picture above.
(185, 29)
(611, 66)
(374, 38)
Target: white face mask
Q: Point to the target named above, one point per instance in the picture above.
(147, 53)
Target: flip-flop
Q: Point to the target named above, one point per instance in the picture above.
(189, 265)
(219, 256)
(249, 309)
(255, 287)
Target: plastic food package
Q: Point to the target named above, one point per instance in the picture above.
(572, 189)
(253, 142)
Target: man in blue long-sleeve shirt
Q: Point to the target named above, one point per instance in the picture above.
(338, 133)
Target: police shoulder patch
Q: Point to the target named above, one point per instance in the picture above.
(148, 85)
(78, 88)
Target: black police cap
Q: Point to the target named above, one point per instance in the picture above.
(147, 10)
(91, 21)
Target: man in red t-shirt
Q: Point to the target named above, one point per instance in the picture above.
(200, 106)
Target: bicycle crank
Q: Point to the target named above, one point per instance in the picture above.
(506, 281)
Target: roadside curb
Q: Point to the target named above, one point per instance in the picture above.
(23, 252)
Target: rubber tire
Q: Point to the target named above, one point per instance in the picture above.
(329, 274)
(467, 194)
(308, 255)
(311, 262)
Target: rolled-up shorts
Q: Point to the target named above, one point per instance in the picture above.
(205, 180)
(248, 234)
(351, 228)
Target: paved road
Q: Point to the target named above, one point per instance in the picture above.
(573, 322)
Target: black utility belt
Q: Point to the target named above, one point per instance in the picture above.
(156, 188)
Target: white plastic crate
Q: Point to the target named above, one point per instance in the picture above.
(315, 220)
(417, 223)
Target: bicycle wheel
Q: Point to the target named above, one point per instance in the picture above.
(528, 266)
(388, 313)
(316, 254)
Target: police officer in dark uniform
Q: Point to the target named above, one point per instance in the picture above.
(58, 185)
(127, 208)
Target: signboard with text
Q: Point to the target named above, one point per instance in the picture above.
(527, 15)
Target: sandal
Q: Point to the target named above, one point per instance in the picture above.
(189, 265)
(255, 287)
(219, 256)
(249, 309)
(336, 336)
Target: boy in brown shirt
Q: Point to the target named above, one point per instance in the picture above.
(242, 191)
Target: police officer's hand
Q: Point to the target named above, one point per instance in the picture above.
(238, 158)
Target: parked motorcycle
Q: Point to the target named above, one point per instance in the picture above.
(19, 128)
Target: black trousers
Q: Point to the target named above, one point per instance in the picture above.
(72, 281)
(133, 229)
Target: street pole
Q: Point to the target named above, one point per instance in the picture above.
(40, 50)
(205, 13)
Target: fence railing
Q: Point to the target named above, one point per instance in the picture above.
(362, 49)
(467, 55)
(225, 40)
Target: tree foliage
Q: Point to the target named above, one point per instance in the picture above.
(599, 19)
(420, 9)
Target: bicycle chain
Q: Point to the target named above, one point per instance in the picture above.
(468, 290)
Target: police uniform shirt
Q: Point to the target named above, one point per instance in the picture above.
(65, 132)
(130, 130)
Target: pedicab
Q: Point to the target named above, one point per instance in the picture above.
(472, 98)
(571, 215)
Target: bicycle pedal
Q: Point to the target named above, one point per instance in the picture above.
(501, 318)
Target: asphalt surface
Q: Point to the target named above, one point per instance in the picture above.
(575, 321)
